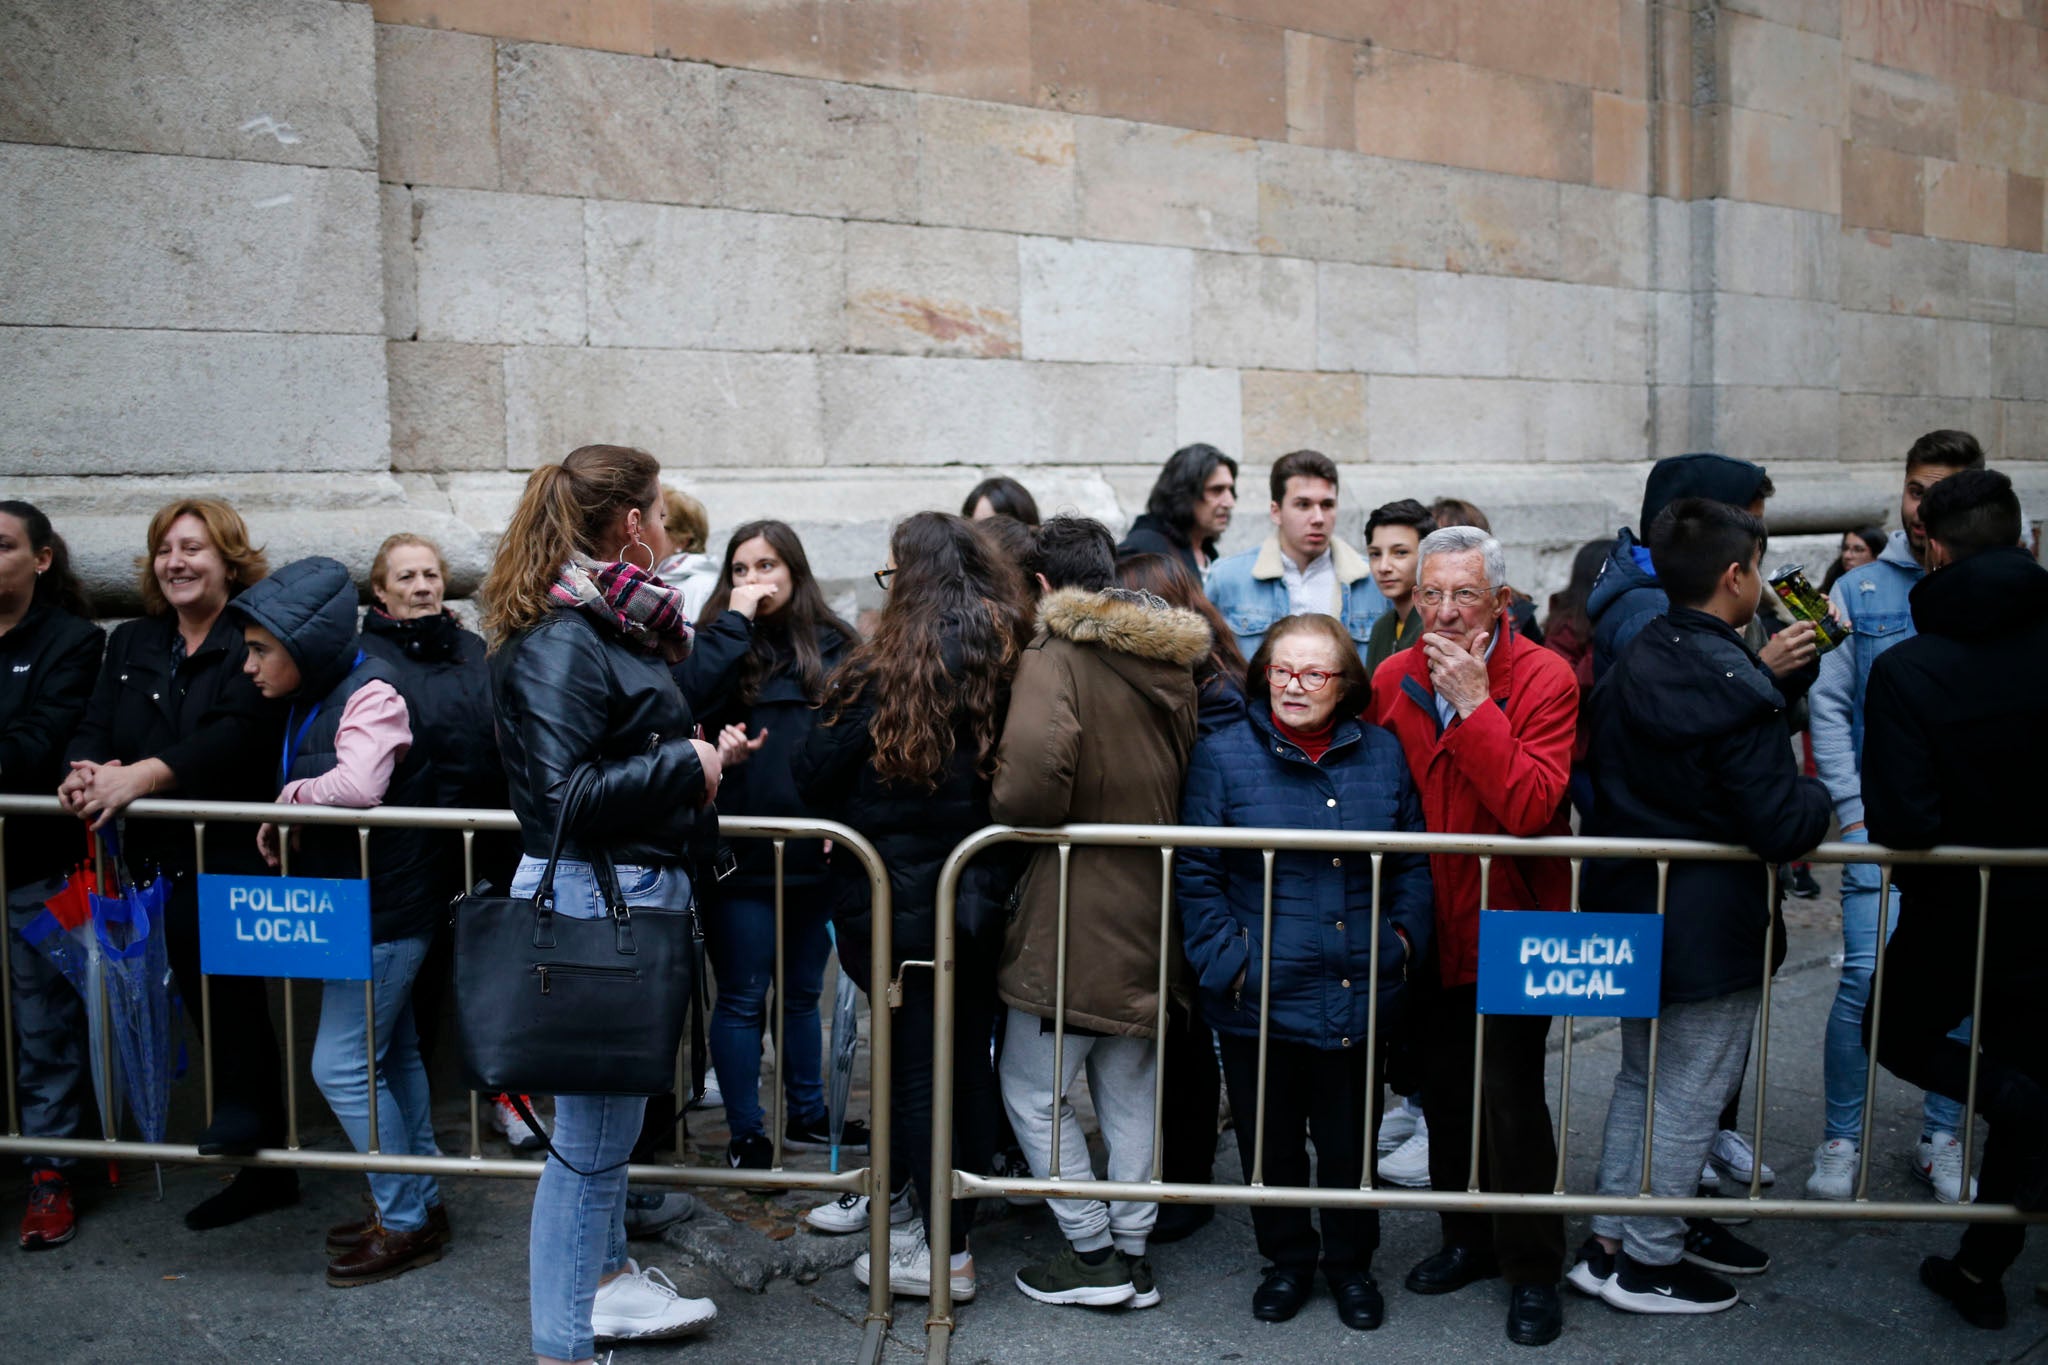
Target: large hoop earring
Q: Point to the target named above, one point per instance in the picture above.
(643, 545)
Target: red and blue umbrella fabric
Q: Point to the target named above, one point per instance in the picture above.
(142, 1005)
(63, 933)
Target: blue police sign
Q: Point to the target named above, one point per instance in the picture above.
(1559, 962)
(312, 928)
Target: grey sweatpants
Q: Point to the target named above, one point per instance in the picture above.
(1120, 1079)
(1701, 1046)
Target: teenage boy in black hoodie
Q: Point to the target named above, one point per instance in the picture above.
(1954, 740)
(1690, 742)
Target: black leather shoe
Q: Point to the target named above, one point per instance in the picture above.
(1451, 1270)
(1359, 1304)
(1176, 1221)
(1535, 1317)
(254, 1190)
(235, 1131)
(1281, 1294)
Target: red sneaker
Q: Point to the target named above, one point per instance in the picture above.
(50, 1220)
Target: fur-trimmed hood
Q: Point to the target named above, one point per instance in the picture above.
(1126, 622)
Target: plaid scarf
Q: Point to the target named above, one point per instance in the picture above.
(626, 598)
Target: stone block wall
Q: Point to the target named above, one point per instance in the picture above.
(361, 266)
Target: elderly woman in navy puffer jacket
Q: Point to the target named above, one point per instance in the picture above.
(1299, 757)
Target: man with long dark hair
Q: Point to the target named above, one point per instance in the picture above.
(1188, 509)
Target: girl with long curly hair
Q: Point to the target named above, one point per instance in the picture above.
(904, 753)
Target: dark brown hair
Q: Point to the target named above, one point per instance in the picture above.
(950, 585)
(1301, 464)
(56, 586)
(564, 509)
(796, 628)
(1168, 579)
(1006, 498)
(1351, 672)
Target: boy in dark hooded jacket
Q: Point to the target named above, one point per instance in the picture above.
(1690, 742)
(349, 742)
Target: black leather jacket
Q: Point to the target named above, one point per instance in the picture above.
(590, 722)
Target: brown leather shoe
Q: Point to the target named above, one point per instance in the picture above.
(343, 1238)
(383, 1253)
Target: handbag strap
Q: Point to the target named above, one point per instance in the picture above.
(526, 1112)
(600, 859)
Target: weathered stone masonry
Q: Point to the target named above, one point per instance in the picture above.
(359, 266)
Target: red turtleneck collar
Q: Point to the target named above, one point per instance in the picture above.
(1314, 743)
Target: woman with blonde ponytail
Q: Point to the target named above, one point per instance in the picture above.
(594, 732)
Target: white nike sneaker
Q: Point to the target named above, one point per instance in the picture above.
(1938, 1160)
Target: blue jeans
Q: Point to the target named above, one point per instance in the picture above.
(1844, 1063)
(341, 1070)
(739, 933)
(49, 1031)
(578, 1234)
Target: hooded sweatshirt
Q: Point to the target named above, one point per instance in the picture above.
(347, 742)
(1102, 720)
(1626, 595)
(1690, 742)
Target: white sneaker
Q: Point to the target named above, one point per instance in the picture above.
(643, 1304)
(711, 1097)
(1732, 1156)
(518, 1132)
(1408, 1164)
(849, 1213)
(1938, 1160)
(910, 1267)
(1834, 1170)
(648, 1211)
(1398, 1124)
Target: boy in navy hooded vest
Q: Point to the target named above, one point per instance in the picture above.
(349, 742)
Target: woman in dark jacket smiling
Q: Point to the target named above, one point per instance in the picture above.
(173, 714)
(754, 677)
(904, 754)
(1299, 757)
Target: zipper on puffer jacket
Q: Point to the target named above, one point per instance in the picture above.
(1244, 936)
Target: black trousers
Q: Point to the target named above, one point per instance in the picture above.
(1193, 1085)
(1311, 1096)
(248, 1068)
(978, 1123)
(1922, 1004)
(1517, 1147)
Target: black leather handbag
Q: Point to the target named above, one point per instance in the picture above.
(550, 1004)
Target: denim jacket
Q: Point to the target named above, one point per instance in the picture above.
(1873, 599)
(1250, 592)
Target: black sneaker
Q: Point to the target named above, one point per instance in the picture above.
(749, 1152)
(1680, 1287)
(1801, 884)
(1709, 1244)
(815, 1135)
(1594, 1268)
(1981, 1302)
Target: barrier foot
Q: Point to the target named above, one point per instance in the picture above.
(938, 1340)
(872, 1338)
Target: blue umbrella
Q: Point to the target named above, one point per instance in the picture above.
(74, 950)
(845, 1041)
(128, 927)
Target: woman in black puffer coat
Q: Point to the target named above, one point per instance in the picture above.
(754, 677)
(172, 715)
(904, 753)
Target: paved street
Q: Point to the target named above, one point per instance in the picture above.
(136, 1285)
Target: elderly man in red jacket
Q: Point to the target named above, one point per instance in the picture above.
(1487, 721)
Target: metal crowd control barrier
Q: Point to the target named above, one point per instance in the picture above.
(1270, 842)
(871, 1180)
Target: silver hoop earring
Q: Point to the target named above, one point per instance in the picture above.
(643, 545)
